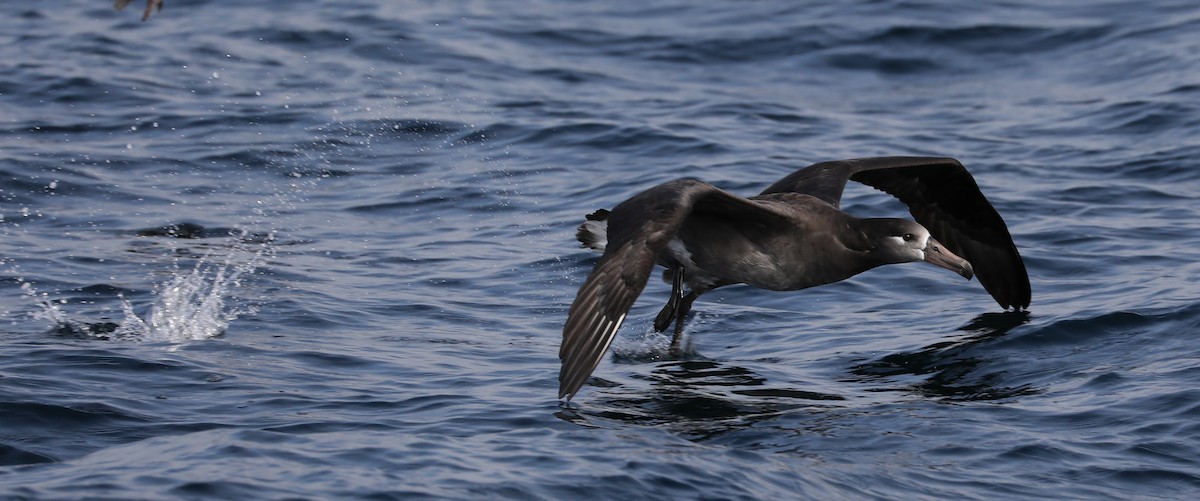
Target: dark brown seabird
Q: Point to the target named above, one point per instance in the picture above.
(791, 236)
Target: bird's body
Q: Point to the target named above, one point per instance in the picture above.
(792, 236)
(720, 251)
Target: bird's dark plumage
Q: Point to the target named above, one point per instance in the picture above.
(789, 237)
(944, 198)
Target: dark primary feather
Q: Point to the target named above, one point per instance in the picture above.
(598, 311)
(944, 198)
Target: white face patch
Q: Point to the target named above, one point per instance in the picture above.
(908, 248)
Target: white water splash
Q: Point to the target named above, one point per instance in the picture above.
(52, 310)
(190, 306)
(641, 343)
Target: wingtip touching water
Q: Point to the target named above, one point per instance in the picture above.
(791, 236)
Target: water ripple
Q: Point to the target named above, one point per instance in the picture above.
(355, 223)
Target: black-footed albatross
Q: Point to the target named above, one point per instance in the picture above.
(791, 236)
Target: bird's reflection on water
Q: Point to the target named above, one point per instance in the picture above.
(706, 398)
(701, 399)
(952, 367)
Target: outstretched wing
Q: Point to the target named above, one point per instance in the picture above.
(638, 229)
(945, 199)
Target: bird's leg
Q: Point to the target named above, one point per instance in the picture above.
(682, 311)
(684, 306)
(663, 320)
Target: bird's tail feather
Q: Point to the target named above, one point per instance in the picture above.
(593, 233)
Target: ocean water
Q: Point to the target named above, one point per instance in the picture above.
(324, 250)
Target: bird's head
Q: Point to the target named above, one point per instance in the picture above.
(903, 241)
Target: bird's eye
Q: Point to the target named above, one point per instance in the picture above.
(908, 237)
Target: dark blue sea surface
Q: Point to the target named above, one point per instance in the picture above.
(325, 249)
